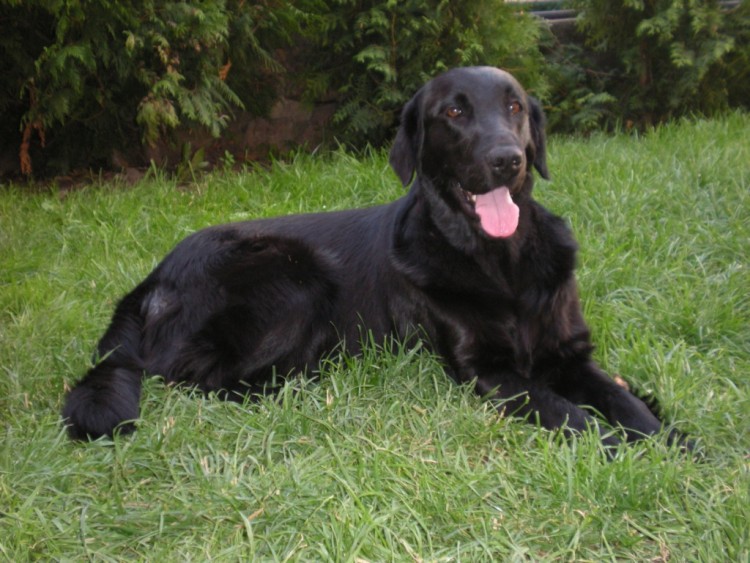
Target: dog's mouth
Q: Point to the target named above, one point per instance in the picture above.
(495, 210)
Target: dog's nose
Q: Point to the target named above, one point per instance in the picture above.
(505, 162)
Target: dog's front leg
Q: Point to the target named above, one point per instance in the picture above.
(586, 384)
(525, 398)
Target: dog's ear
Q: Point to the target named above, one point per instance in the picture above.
(405, 149)
(538, 137)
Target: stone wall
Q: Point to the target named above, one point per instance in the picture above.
(290, 124)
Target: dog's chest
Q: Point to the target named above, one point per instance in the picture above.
(513, 323)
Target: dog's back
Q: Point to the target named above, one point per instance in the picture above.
(237, 306)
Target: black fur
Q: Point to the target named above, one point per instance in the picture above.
(235, 304)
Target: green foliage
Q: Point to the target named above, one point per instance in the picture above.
(737, 62)
(92, 76)
(87, 81)
(88, 77)
(663, 58)
(377, 53)
(578, 100)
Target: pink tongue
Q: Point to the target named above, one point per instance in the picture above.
(497, 213)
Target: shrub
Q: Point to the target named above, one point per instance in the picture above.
(736, 75)
(377, 53)
(88, 77)
(578, 100)
(660, 58)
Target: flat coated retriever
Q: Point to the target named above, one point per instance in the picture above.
(467, 259)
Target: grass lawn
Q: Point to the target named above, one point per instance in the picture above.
(385, 459)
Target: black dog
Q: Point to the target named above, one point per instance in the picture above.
(467, 259)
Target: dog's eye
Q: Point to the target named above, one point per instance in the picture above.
(454, 112)
(515, 107)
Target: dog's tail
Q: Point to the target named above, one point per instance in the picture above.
(107, 399)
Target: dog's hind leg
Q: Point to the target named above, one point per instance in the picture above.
(275, 319)
(107, 397)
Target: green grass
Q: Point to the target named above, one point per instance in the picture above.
(384, 458)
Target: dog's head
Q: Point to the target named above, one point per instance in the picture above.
(474, 134)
